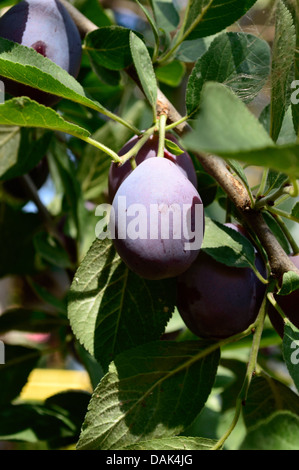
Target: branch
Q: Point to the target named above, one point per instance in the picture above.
(215, 167)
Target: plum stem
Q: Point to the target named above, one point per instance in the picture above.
(142, 140)
(103, 148)
(251, 367)
(272, 300)
(162, 124)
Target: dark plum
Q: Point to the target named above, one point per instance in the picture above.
(159, 193)
(289, 304)
(46, 26)
(217, 301)
(117, 174)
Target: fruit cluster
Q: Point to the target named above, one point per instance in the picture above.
(214, 300)
(157, 212)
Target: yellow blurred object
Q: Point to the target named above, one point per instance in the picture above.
(43, 383)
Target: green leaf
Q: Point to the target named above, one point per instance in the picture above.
(144, 69)
(150, 392)
(72, 194)
(171, 74)
(267, 395)
(111, 309)
(10, 138)
(282, 61)
(275, 180)
(191, 51)
(51, 251)
(25, 65)
(109, 47)
(238, 60)
(19, 362)
(290, 347)
(227, 246)
(35, 321)
(241, 137)
(173, 148)
(295, 211)
(166, 15)
(27, 113)
(277, 231)
(56, 422)
(28, 154)
(152, 23)
(175, 443)
(206, 17)
(290, 283)
(279, 432)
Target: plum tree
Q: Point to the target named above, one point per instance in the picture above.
(164, 238)
(117, 174)
(217, 301)
(46, 26)
(289, 304)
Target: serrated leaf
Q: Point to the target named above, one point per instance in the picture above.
(27, 113)
(166, 15)
(206, 17)
(290, 347)
(144, 68)
(28, 154)
(265, 396)
(111, 309)
(279, 432)
(241, 137)
(290, 283)
(282, 60)
(175, 443)
(109, 47)
(25, 65)
(10, 138)
(227, 246)
(152, 391)
(238, 60)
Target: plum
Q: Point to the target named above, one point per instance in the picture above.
(289, 304)
(165, 236)
(46, 26)
(217, 301)
(117, 174)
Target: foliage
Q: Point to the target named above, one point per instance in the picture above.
(155, 384)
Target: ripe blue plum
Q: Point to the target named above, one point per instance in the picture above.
(217, 301)
(289, 305)
(46, 26)
(117, 174)
(158, 218)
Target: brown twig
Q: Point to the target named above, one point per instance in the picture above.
(215, 167)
